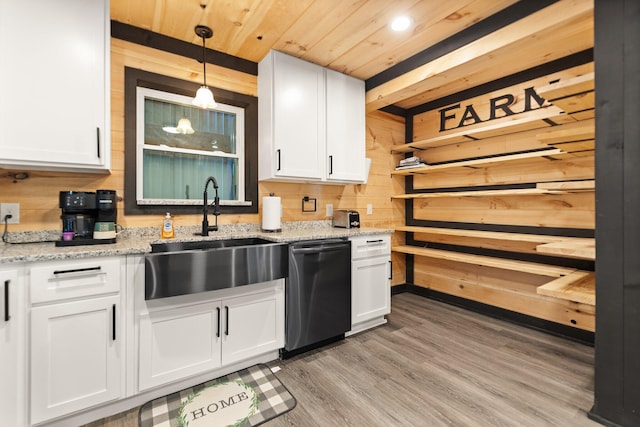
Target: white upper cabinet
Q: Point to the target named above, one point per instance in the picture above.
(345, 128)
(291, 118)
(55, 103)
(312, 123)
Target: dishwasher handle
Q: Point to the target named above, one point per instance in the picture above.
(319, 246)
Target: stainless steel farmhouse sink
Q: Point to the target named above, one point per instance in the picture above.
(179, 268)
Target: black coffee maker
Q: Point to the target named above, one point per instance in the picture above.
(81, 211)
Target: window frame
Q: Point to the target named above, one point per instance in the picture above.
(144, 93)
(135, 78)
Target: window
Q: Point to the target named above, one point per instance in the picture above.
(179, 146)
(167, 165)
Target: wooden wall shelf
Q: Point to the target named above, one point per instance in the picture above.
(540, 189)
(567, 247)
(467, 135)
(478, 193)
(570, 285)
(581, 249)
(579, 286)
(487, 261)
(478, 162)
(481, 234)
(576, 96)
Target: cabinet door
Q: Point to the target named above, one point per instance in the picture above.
(298, 118)
(76, 356)
(370, 288)
(178, 342)
(345, 128)
(253, 325)
(12, 353)
(55, 97)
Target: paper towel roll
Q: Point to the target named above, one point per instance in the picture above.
(271, 213)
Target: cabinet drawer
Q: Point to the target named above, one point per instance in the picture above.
(369, 246)
(53, 281)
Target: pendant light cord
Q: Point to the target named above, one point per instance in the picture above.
(204, 60)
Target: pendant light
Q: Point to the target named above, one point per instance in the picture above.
(184, 126)
(204, 96)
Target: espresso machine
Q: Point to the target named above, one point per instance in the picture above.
(88, 218)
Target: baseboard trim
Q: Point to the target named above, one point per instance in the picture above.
(597, 418)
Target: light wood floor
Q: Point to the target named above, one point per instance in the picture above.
(436, 365)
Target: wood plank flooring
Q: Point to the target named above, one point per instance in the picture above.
(436, 365)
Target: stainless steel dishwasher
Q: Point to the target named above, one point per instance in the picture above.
(318, 294)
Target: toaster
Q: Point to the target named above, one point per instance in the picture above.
(346, 219)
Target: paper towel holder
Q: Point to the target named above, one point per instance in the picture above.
(269, 225)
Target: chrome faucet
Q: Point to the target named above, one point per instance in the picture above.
(205, 208)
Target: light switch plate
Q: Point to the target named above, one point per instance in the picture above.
(369, 208)
(329, 209)
(12, 209)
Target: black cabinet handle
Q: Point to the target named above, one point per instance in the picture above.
(113, 322)
(375, 241)
(98, 140)
(218, 330)
(278, 159)
(6, 301)
(390, 270)
(330, 165)
(226, 326)
(77, 270)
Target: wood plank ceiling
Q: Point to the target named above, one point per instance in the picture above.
(354, 37)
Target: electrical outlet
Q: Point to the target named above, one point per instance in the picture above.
(12, 209)
(369, 209)
(329, 209)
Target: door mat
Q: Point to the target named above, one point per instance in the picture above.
(248, 397)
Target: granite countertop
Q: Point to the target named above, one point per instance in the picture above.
(30, 247)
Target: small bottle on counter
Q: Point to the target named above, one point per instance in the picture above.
(167, 227)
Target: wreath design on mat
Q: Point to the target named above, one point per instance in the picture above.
(181, 416)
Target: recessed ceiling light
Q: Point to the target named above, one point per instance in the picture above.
(400, 23)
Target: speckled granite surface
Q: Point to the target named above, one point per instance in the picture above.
(40, 246)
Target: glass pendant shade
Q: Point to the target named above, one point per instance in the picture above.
(184, 126)
(204, 98)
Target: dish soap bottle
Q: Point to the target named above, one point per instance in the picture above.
(167, 227)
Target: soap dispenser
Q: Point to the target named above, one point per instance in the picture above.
(167, 227)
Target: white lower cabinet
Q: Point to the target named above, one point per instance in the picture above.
(178, 342)
(370, 281)
(184, 336)
(371, 292)
(12, 351)
(75, 356)
(77, 336)
(253, 324)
